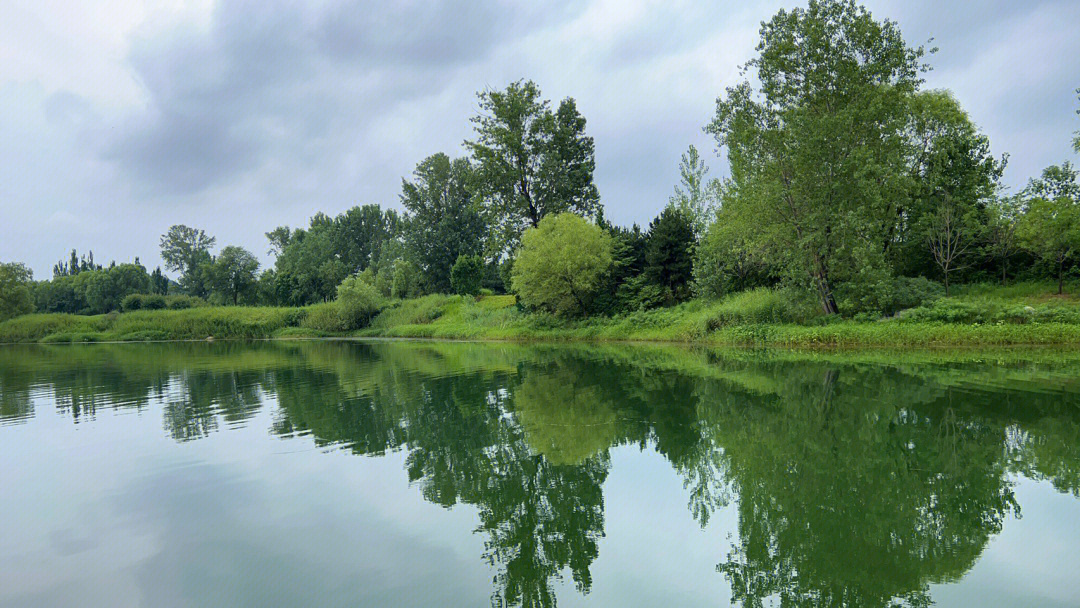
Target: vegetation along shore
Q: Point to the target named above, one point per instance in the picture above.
(858, 208)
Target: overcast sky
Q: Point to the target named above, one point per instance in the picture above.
(239, 117)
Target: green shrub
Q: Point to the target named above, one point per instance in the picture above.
(325, 317)
(762, 305)
(153, 302)
(359, 302)
(183, 302)
(131, 302)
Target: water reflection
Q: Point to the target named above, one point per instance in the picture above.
(857, 480)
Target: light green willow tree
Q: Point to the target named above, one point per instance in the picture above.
(560, 264)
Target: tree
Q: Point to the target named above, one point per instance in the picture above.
(726, 261)
(159, 283)
(15, 296)
(317, 259)
(444, 221)
(1076, 137)
(1050, 227)
(669, 254)
(531, 162)
(187, 251)
(234, 273)
(1001, 229)
(817, 153)
(695, 196)
(560, 263)
(279, 239)
(467, 275)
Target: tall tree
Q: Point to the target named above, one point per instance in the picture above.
(696, 195)
(15, 296)
(1050, 227)
(234, 273)
(531, 161)
(956, 180)
(817, 151)
(444, 220)
(1004, 213)
(187, 251)
(669, 254)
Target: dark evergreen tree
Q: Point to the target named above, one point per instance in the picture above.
(669, 255)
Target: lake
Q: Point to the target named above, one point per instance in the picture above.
(454, 474)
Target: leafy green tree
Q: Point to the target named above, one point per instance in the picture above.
(467, 275)
(696, 196)
(187, 251)
(315, 261)
(669, 254)
(560, 264)
(531, 162)
(279, 239)
(15, 295)
(234, 273)
(1003, 215)
(159, 283)
(444, 220)
(818, 153)
(1050, 227)
(726, 260)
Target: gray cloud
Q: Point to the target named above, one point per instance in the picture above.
(257, 115)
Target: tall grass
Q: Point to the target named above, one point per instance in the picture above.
(976, 315)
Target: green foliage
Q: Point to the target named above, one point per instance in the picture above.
(531, 162)
(725, 261)
(233, 274)
(818, 153)
(467, 275)
(315, 261)
(15, 296)
(187, 250)
(358, 302)
(1050, 227)
(444, 220)
(406, 280)
(560, 264)
(669, 254)
(762, 305)
(696, 196)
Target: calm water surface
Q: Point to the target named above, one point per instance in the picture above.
(428, 474)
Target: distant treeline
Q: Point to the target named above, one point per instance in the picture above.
(850, 185)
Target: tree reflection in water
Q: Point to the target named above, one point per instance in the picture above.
(855, 481)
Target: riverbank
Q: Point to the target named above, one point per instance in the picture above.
(979, 316)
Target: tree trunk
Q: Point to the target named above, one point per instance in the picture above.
(1061, 277)
(946, 283)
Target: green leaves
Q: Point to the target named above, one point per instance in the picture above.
(560, 264)
(531, 162)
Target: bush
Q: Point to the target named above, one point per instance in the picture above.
(358, 302)
(467, 275)
(183, 302)
(153, 302)
(886, 296)
(131, 302)
(762, 305)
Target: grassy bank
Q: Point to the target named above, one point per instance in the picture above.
(976, 316)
